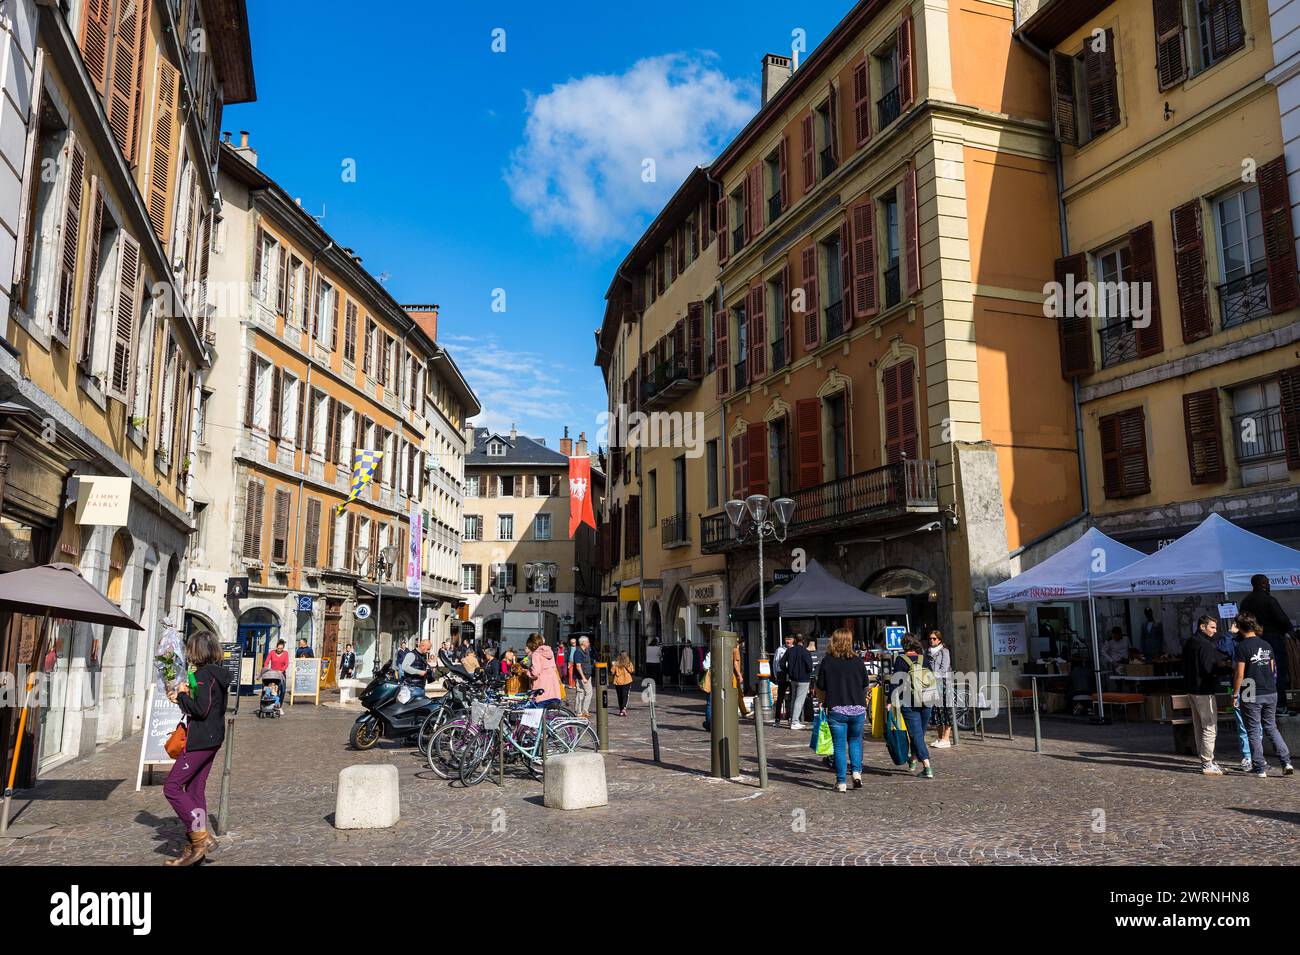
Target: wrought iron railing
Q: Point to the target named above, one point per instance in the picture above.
(828, 161)
(715, 531)
(739, 370)
(675, 530)
(737, 238)
(664, 374)
(834, 320)
(774, 207)
(1245, 299)
(893, 290)
(1258, 434)
(778, 352)
(888, 107)
(1118, 342)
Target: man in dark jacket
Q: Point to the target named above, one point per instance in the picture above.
(1200, 669)
(797, 665)
(1263, 606)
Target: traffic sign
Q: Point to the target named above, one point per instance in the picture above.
(894, 638)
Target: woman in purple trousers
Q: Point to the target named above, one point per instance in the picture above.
(205, 711)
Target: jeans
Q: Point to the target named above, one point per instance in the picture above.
(708, 712)
(846, 733)
(185, 788)
(1205, 726)
(917, 719)
(1242, 736)
(1261, 718)
(800, 693)
(782, 693)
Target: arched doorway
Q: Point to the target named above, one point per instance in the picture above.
(917, 588)
(259, 629)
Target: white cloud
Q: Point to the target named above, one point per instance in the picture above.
(514, 387)
(579, 169)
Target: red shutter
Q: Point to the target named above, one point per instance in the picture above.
(787, 326)
(1189, 271)
(1290, 387)
(124, 76)
(833, 117)
(862, 102)
(811, 315)
(1205, 457)
(756, 449)
(1124, 454)
(721, 352)
(783, 164)
(739, 465)
(906, 85)
(847, 296)
(1279, 237)
(1142, 250)
(1171, 60)
(808, 425)
(755, 193)
(695, 341)
(1064, 104)
(723, 237)
(866, 300)
(757, 332)
(809, 152)
(901, 438)
(95, 27)
(1075, 332)
(911, 239)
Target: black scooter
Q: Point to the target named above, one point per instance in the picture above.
(394, 710)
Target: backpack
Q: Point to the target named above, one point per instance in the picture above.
(923, 684)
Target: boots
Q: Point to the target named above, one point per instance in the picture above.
(197, 847)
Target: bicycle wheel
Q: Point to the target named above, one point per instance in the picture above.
(478, 758)
(435, 721)
(446, 747)
(567, 736)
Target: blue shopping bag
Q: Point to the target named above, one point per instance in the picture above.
(818, 718)
(896, 740)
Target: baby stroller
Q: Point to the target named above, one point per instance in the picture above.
(271, 702)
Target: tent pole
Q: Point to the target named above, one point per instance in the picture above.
(22, 726)
(1096, 656)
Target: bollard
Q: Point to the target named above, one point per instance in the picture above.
(602, 706)
(1038, 732)
(725, 755)
(221, 825)
(648, 696)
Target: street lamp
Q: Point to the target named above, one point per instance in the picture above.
(541, 573)
(757, 518)
(497, 588)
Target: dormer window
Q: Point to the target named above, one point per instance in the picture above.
(496, 449)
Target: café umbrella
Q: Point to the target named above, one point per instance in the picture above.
(53, 591)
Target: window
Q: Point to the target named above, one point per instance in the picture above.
(368, 349)
(893, 250)
(280, 528)
(1218, 31)
(471, 578)
(201, 426)
(1243, 264)
(741, 337)
(1124, 453)
(267, 255)
(711, 472)
(889, 106)
(778, 468)
(1085, 91)
(542, 527)
(506, 485)
(775, 192)
(253, 497)
(737, 218)
(496, 449)
(776, 307)
(472, 486)
(1258, 432)
(318, 416)
(837, 417)
(473, 527)
(834, 287)
(505, 575)
(652, 495)
(257, 410)
(1118, 339)
(505, 527)
(898, 385)
(826, 135)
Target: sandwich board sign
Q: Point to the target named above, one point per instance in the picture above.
(160, 717)
(304, 679)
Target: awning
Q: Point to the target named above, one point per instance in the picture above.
(1069, 573)
(816, 593)
(394, 592)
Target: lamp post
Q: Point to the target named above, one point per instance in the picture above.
(767, 519)
(383, 562)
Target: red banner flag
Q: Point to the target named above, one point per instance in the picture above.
(580, 509)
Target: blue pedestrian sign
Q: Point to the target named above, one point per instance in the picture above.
(894, 638)
(304, 603)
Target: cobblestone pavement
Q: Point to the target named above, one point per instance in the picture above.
(991, 802)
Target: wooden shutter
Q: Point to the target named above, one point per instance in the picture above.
(1124, 453)
(721, 352)
(1064, 110)
(277, 405)
(253, 521)
(901, 437)
(866, 301)
(833, 121)
(280, 528)
(1142, 255)
(374, 539)
(314, 304)
(121, 364)
(1075, 330)
(911, 238)
(861, 102)
(1289, 385)
(303, 398)
(659, 268)
(351, 537)
(96, 24)
(1205, 457)
(367, 347)
(309, 435)
(739, 465)
(334, 318)
(906, 84)
(1103, 86)
(679, 245)
(758, 213)
(809, 152)
(311, 542)
(695, 341)
(132, 17)
(633, 526)
(250, 392)
(783, 171)
(331, 538)
(162, 150)
(756, 442)
(1279, 237)
(29, 176)
(70, 241)
(1227, 33)
(846, 274)
(1189, 271)
(336, 443)
(757, 331)
(90, 287)
(811, 315)
(259, 252)
(723, 237)
(350, 332)
(282, 281)
(205, 255)
(1171, 58)
(808, 427)
(787, 325)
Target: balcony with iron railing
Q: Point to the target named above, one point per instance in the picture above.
(774, 207)
(827, 161)
(895, 490)
(1258, 435)
(888, 107)
(675, 531)
(1118, 342)
(893, 290)
(740, 370)
(778, 352)
(1243, 300)
(666, 382)
(834, 320)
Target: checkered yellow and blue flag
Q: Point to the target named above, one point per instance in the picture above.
(363, 471)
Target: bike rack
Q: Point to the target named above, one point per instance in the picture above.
(979, 712)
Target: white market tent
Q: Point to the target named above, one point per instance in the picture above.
(1070, 574)
(1215, 557)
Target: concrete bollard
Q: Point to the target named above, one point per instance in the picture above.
(367, 798)
(574, 781)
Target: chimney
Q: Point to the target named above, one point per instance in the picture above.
(514, 433)
(566, 443)
(471, 432)
(776, 70)
(426, 316)
(245, 150)
(582, 444)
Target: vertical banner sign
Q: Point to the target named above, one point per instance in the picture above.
(580, 509)
(414, 556)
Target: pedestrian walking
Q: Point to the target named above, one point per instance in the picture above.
(622, 671)
(738, 680)
(582, 673)
(915, 692)
(1275, 625)
(1227, 651)
(204, 706)
(780, 678)
(842, 692)
(1201, 669)
(541, 668)
(1254, 690)
(348, 663)
(798, 666)
(940, 661)
(278, 660)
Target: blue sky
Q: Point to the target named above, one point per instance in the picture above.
(518, 171)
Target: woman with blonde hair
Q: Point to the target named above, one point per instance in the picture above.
(842, 692)
(622, 670)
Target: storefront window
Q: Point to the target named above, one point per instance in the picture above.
(55, 667)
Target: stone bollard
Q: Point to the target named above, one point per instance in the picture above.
(367, 798)
(348, 690)
(574, 781)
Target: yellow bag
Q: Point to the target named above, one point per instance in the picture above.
(878, 712)
(563, 697)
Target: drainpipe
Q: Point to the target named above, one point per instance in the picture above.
(640, 483)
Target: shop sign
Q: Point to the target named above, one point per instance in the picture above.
(361, 611)
(781, 576)
(305, 603)
(1227, 611)
(704, 593)
(1008, 639)
(103, 501)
